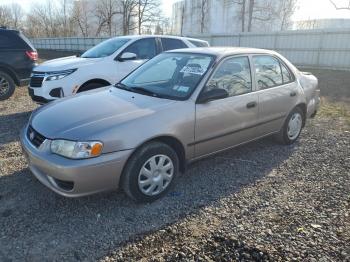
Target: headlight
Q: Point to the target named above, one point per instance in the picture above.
(59, 74)
(76, 150)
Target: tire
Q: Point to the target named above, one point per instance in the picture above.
(287, 135)
(7, 86)
(90, 86)
(138, 173)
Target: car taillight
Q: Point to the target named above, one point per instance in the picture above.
(33, 55)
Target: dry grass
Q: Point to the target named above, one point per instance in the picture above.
(333, 110)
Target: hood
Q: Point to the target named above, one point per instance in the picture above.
(85, 115)
(65, 63)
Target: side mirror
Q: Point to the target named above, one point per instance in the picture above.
(214, 94)
(127, 56)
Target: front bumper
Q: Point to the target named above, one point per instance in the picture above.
(52, 90)
(73, 178)
(38, 99)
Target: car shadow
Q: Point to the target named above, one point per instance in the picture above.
(46, 225)
(11, 125)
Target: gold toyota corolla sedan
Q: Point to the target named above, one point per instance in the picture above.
(178, 107)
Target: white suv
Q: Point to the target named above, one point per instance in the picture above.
(105, 64)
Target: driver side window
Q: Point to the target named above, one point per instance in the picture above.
(144, 48)
(233, 75)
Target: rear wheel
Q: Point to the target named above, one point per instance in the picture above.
(150, 172)
(292, 127)
(7, 86)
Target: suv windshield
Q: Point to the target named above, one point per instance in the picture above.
(169, 75)
(105, 48)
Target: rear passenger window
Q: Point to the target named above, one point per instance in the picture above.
(233, 75)
(267, 71)
(171, 44)
(287, 77)
(11, 41)
(144, 48)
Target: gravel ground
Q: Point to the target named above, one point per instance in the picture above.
(262, 201)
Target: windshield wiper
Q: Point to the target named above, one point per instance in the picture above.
(122, 86)
(137, 89)
(144, 91)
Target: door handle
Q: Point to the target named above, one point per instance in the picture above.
(293, 94)
(251, 105)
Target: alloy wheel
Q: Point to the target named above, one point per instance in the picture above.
(4, 86)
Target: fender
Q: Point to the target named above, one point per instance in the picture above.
(9, 70)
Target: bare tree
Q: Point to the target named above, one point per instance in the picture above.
(81, 16)
(43, 15)
(128, 12)
(337, 6)
(147, 12)
(105, 12)
(11, 16)
(5, 16)
(204, 8)
(262, 12)
(242, 12)
(183, 7)
(251, 11)
(16, 15)
(285, 10)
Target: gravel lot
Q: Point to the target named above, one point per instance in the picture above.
(262, 201)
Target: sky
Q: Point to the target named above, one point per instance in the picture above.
(307, 9)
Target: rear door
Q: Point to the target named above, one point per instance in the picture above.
(277, 92)
(224, 123)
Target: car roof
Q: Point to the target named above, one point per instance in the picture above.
(223, 51)
(163, 36)
(2, 29)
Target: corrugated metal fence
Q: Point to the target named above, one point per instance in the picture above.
(67, 43)
(308, 48)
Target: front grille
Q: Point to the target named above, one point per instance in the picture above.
(34, 137)
(36, 81)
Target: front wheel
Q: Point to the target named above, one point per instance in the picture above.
(150, 172)
(292, 127)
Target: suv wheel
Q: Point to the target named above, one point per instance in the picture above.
(150, 172)
(292, 127)
(7, 86)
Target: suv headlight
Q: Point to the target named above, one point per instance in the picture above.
(76, 150)
(59, 74)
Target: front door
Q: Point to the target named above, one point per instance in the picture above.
(144, 49)
(227, 122)
(277, 91)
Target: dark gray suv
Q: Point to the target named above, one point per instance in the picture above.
(17, 59)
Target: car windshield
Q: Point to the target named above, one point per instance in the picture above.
(169, 75)
(105, 48)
